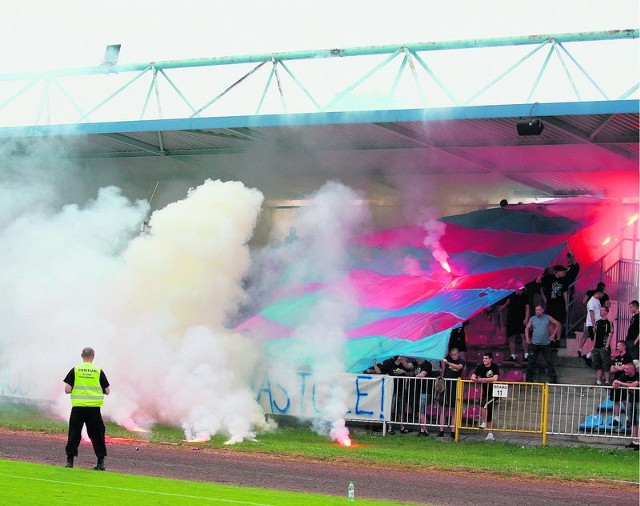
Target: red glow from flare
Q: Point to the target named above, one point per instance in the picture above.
(345, 441)
(195, 440)
(633, 219)
(606, 241)
(445, 266)
(139, 429)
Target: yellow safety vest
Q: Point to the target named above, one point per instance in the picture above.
(87, 391)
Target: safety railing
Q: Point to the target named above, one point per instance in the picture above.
(512, 407)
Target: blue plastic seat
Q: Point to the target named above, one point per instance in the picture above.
(592, 422)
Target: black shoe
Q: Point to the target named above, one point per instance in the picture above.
(423, 433)
(99, 466)
(615, 423)
(391, 431)
(632, 445)
(579, 354)
(404, 430)
(69, 462)
(453, 435)
(441, 433)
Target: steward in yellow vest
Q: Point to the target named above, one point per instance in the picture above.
(87, 385)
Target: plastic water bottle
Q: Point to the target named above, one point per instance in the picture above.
(351, 491)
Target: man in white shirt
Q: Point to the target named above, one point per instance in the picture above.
(593, 315)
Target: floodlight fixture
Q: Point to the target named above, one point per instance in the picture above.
(111, 54)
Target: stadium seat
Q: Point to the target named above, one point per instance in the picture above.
(473, 394)
(607, 405)
(479, 340)
(609, 427)
(592, 422)
(472, 413)
(514, 375)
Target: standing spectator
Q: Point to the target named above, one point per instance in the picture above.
(400, 367)
(632, 333)
(593, 315)
(458, 339)
(539, 336)
(601, 354)
(629, 381)
(555, 298)
(485, 374)
(573, 268)
(87, 385)
(518, 314)
(604, 300)
(451, 369)
(422, 369)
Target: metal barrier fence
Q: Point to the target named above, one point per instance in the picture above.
(513, 407)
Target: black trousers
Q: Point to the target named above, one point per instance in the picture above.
(92, 418)
(545, 351)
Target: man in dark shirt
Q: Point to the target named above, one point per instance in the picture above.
(628, 384)
(555, 297)
(632, 333)
(486, 374)
(518, 314)
(451, 369)
(87, 384)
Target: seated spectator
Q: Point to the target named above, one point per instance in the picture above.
(628, 383)
(601, 353)
(451, 369)
(617, 369)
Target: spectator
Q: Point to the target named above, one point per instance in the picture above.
(555, 298)
(604, 301)
(539, 336)
(518, 314)
(485, 374)
(593, 315)
(628, 383)
(451, 369)
(617, 369)
(422, 369)
(601, 353)
(621, 358)
(399, 367)
(458, 339)
(632, 333)
(573, 268)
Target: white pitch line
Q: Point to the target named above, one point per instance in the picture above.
(212, 499)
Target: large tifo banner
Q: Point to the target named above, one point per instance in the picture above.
(309, 394)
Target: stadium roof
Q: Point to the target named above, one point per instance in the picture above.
(470, 153)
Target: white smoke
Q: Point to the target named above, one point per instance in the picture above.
(153, 306)
(318, 252)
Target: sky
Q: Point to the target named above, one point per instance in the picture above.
(40, 34)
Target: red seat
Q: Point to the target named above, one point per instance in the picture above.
(474, 393)
(472, 413)
(514, 375)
